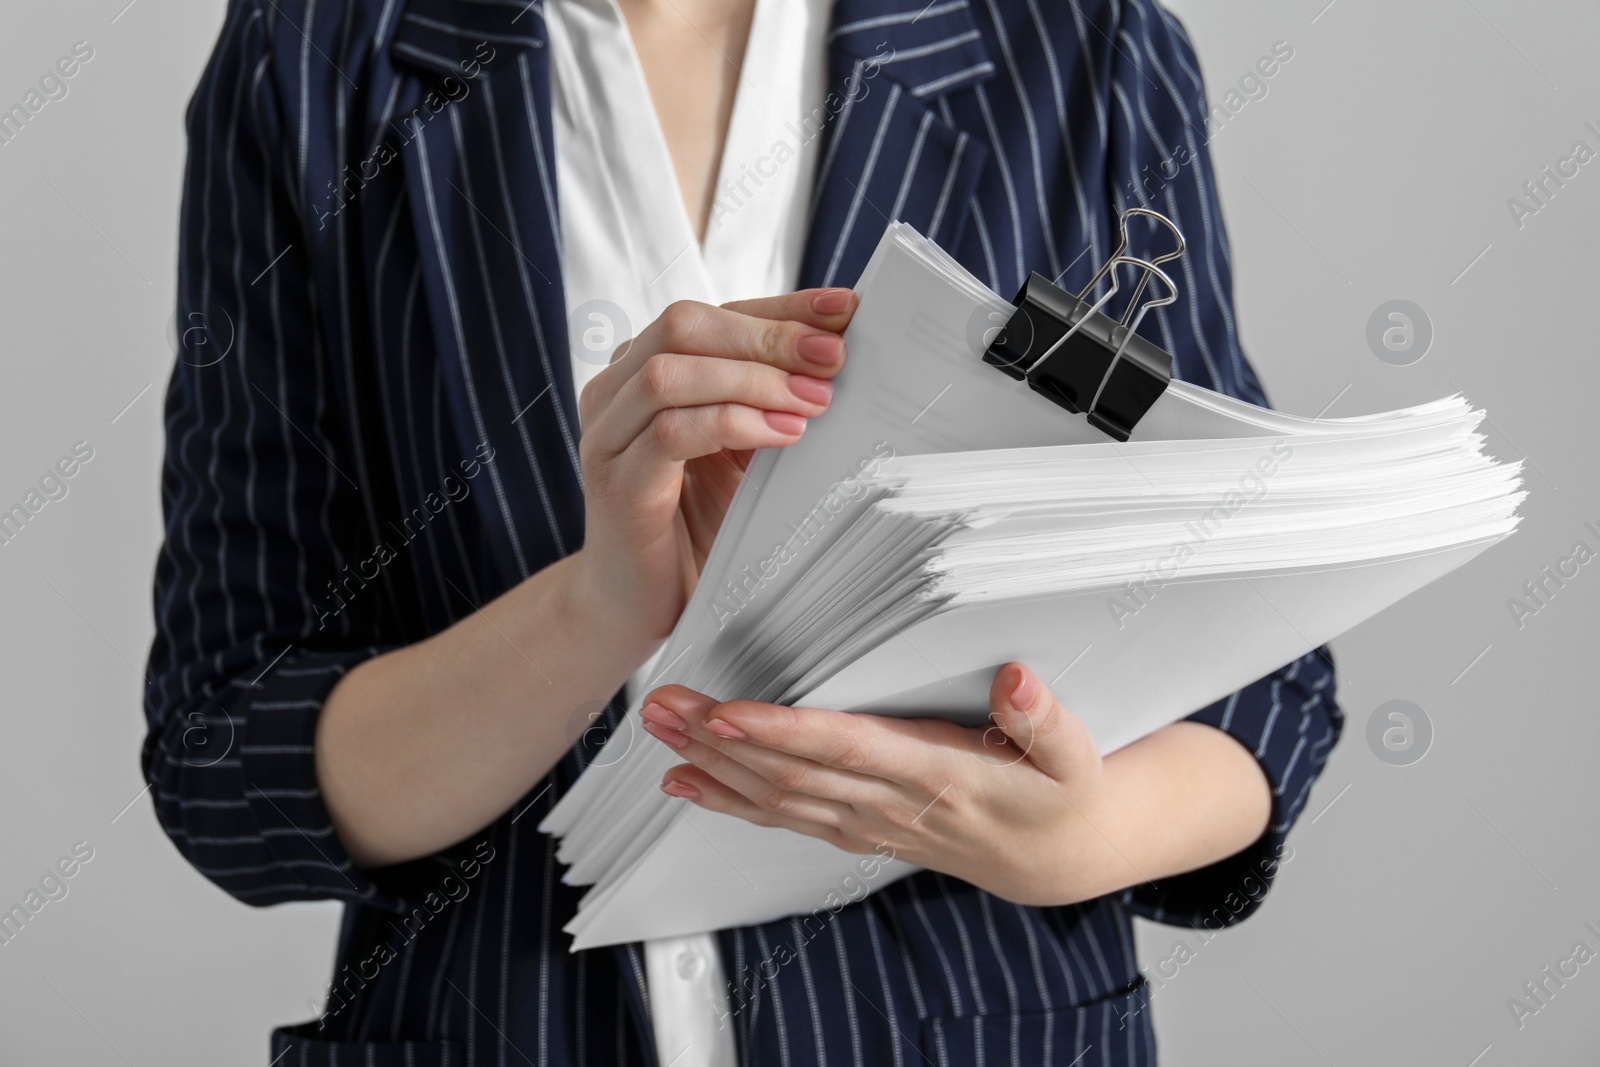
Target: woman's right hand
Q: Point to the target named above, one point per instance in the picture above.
(668, 429)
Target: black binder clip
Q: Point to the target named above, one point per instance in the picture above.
(1084, 360)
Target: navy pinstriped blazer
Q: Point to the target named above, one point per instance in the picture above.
(371, 429)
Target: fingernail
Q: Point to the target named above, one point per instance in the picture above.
(830, 301)
(1026, 692)
(786, 424)
(823, 349)
(811, 390)
(674, 788)
(662, 733)
(657, 714)
(724, 728)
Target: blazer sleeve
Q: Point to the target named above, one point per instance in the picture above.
(251, 632)
(1157, 157)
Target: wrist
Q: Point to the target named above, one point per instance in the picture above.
(1112, 853)
(1080, 855)
(582, 597)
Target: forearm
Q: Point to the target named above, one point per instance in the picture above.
(422, 746)
(1176, 800)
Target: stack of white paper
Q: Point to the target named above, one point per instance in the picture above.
(943, 519)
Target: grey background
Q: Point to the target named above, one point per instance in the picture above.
(1419, 898)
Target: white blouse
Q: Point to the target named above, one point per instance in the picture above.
(629, 249)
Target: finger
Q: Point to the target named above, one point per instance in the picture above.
(651, 463)
(672, 380)
(694, 328)
(680, 699)
(787, 773)
(703, 330)
(873, 748)
(920, 753)
(695, 785)
(826, 309)
(751, 786)
(871, 798)
(1055, 740)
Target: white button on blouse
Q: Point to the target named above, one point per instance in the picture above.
(629, 249)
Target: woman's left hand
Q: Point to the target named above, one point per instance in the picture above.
(1019, 808)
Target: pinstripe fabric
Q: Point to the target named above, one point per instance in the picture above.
(370, 234)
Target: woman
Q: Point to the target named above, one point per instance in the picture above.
(415, 236)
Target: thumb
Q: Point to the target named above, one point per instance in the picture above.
(1053, 739)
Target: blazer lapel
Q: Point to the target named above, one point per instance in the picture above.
(887, 153)
(473, 107)
(474, 104)
(482, 188)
